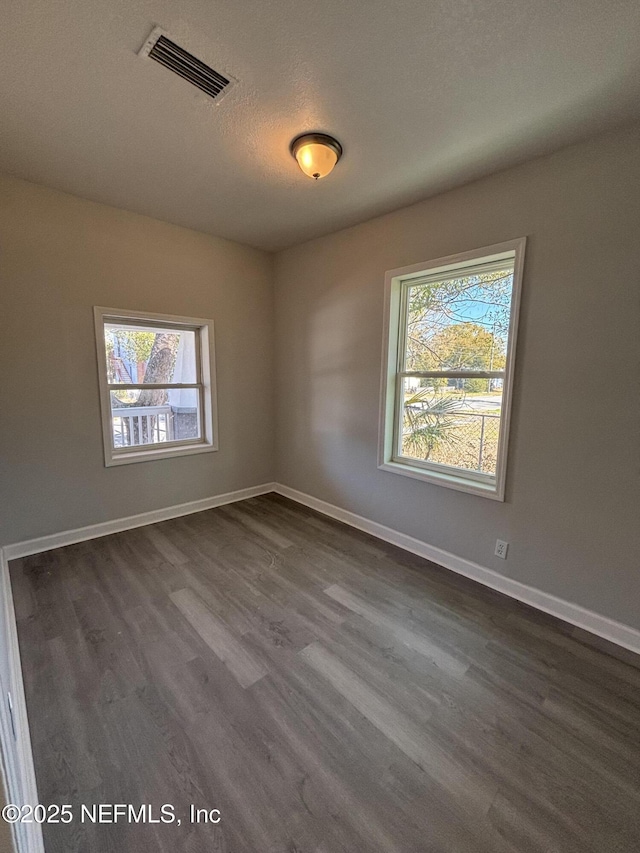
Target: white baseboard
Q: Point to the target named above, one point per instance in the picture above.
(602, 626)
(20, 776)
(94, 531)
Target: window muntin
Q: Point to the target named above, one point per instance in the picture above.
(450, 366)
(156, 385)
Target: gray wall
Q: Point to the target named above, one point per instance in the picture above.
(572, 510)
(60, 256)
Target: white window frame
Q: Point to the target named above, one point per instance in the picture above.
(396, 284)
(205, 385)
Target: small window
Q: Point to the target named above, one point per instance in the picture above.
(157, 385)
(447, 385)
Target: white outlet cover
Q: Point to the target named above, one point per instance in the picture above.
(501, 549)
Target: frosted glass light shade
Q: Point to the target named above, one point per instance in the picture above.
(316, 154)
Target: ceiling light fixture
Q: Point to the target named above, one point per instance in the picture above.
(316, 153)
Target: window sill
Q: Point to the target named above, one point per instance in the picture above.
(130, 457)
(450, 481)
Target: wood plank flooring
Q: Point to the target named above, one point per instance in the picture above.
(325, 691)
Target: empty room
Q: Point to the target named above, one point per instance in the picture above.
(320, 427)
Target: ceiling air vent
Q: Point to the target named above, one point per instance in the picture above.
(159, 47)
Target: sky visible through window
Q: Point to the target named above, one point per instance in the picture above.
(472, 305)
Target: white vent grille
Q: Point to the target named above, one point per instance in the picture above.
(162, 49)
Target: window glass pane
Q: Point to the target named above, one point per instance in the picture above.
(137, 354)
(452, 422)
(459, 323)
(140, 417)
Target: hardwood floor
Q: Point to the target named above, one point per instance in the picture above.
(325, 691)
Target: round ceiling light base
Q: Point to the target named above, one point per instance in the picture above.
(316, 153)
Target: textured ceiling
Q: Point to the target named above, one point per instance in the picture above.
(423, 95)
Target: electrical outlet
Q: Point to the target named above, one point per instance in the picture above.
(501, 549)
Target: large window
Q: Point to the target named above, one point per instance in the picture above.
(157, 385)
(449, 368)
